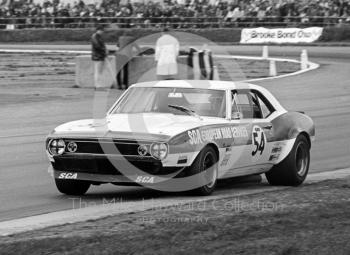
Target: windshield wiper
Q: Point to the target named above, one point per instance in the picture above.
(185, 110)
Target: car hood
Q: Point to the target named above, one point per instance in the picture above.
(154, 126)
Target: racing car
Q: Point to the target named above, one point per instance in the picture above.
(178, 135)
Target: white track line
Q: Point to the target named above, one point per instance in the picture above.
(312, 66)
(23, 135)
(114, 208)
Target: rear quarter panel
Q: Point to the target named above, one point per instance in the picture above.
(286, 129)
(291, 124)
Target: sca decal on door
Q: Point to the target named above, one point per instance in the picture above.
(259, 143)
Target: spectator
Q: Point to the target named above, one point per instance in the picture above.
(178, 13)
(167, 51)
(99, 56)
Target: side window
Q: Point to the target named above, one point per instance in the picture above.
(255, 106)
(248, 104)
(241, 105)
(266, 108)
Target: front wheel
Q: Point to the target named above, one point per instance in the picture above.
(206, 162)
(292, 171)
(72, 187)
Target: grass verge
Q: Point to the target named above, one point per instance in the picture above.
(312, 219)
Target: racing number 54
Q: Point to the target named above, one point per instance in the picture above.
(258, 141)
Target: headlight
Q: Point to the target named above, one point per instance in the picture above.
(159, 150)
(56, 147)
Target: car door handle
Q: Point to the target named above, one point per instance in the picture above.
(268, 127)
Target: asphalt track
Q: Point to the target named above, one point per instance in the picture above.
(26, 189)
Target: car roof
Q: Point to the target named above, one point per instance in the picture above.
(198, 84)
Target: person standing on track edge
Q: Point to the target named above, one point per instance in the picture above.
(99, 55)
(167, 51)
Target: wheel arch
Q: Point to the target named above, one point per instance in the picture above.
(211, 145)
(294, 133)
(307, 136)
(215, 147)
(290, 143)
(293, 168)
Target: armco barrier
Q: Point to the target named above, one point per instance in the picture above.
(227, 35)
(111, 36)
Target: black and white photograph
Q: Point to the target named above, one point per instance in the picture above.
(175, 127)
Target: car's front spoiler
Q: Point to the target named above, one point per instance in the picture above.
(104, 178)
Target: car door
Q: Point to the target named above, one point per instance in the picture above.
(262, 132)
(250, 155)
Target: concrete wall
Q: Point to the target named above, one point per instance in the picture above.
(141, 69)
(84, 72)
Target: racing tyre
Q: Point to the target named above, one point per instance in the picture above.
(205, 161)
(72, 187)
(293, 170)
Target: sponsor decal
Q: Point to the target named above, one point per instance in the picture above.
(72, 147)
(274, 157)
(175, 95)
(259, 142)
(69, 176)
(276, 149)
(144, 179)
(283, 35)
(276, 152)
(207, 135)
(225, 160)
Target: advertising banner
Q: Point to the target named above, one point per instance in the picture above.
(281, 35)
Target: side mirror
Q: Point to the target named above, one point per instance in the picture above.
(237, 116)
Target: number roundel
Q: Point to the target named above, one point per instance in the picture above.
(259, 142)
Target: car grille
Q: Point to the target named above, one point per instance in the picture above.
(110, 147)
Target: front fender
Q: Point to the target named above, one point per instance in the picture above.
(185, 146)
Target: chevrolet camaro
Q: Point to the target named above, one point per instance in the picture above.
(183, 135)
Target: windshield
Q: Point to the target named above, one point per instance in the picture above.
(203, 102)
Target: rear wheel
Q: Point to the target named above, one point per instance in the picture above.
(72, 187)
(206, 162)
(293, 170)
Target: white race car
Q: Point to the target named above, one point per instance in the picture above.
(183, 135)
